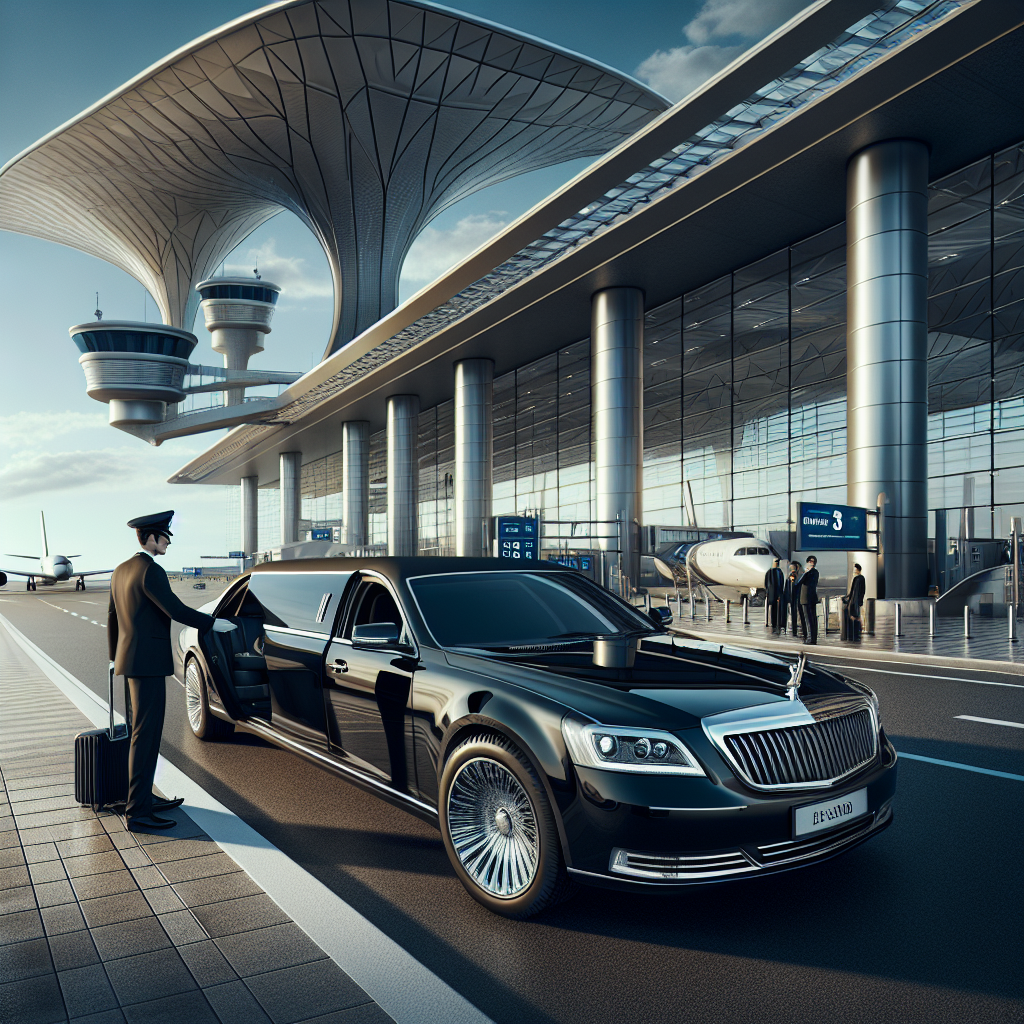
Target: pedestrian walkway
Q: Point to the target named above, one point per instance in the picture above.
(988, 640)
(100, 924)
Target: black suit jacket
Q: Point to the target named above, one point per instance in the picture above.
(774, 581)
(856, 596)
(791, 590)
(809, 587)
(139, 618)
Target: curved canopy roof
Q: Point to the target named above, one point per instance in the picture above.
(365, 118)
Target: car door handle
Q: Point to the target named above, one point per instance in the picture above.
(339, 665)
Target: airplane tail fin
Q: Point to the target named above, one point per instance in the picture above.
(42, 527)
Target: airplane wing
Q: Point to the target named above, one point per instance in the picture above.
(35, 558)
(91, 572)
(20, 572)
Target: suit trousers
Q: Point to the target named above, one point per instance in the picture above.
(809, 621)
(794, 617)
(774, 607)
(149, 696)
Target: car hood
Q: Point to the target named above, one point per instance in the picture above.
(672, 679)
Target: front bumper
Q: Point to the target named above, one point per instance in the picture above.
(635, 832)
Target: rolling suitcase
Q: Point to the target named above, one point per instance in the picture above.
(101, 761)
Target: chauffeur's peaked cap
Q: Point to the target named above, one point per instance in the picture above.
(158, 521)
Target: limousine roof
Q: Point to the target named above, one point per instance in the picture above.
(422, 565)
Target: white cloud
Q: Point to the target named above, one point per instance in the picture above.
(28, 428)
(37, 472)
(437, 250)
(289, 272)
(721, 31)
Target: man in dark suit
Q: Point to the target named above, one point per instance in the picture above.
(774, 582)
(790, 598)
(808, 601)
(854, 603)
(139, 641)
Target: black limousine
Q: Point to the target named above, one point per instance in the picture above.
(553, 732)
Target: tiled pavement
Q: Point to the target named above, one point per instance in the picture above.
(99, 924)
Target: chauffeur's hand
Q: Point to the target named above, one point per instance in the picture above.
(223, 626)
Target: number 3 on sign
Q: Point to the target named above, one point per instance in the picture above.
(838, 517)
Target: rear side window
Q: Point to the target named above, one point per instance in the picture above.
(298, 600)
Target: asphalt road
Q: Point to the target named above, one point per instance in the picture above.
(920, 924)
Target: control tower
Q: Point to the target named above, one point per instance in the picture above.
(238, 311)
(137, 368)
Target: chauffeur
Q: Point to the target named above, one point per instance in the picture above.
(774, 582)
(139, 640)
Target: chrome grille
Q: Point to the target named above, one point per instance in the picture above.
(804, 755)
(680, 865)
(811, 846)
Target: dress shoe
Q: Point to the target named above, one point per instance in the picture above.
(159, 804)
(149, 822)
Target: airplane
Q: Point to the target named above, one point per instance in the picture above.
(729, 567)
(52, 568)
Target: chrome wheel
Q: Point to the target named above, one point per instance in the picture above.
(194, 695)
(493, 827)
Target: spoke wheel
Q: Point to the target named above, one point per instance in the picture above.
(499, 828)
(493, 827)
(202, 722)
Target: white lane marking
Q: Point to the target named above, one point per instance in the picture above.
(964, 767)
(991, 721)
(921, 675)
(399, 983)
(73, 613)
(83, 601)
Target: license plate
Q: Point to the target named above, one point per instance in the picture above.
(830, 813)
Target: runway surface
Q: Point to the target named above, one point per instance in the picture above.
(920, 924)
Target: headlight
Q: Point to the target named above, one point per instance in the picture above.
(621, 749)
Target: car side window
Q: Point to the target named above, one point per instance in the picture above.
(372, 604)
(297, 600)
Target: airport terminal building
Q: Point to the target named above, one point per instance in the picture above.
(805, 282)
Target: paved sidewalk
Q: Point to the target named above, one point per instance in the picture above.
(988, 641)
(98, 924)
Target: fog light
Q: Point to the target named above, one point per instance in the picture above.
(660, 749)
(607, 745)
(642, 747)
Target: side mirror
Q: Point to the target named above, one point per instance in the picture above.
(661, 616)
(377, 634)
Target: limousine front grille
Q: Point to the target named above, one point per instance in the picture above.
(801, 755)
(679, 865)
(815, 845)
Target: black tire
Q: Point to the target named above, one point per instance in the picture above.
(490, 789)
(205, 724)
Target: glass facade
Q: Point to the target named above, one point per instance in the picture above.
(745, 391)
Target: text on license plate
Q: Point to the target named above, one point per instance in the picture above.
(830, 813)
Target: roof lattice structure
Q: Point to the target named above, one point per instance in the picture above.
(365, 118)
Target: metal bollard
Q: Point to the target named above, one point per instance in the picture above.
(728, 609)
(931, 618)
(746, 611)
(707, 608)
(899, 619)
(967, 622)
(693, 606)
(1012, 616)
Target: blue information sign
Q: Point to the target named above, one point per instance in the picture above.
(236, 554)
(517, 537)
(822, 527)
(324, 534)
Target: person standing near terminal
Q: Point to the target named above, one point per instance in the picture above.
(808, 601)
(855, 602)
(774, 582)
(790, 594)
(139, 641)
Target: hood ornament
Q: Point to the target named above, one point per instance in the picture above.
(796, 673)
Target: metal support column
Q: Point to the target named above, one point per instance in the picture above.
(291, 496)
(355, 482)
(617, 393)
(474, 455)
(403, 472)
(250, 515)
(886, 353)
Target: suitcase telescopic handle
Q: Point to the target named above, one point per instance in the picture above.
(110, 702)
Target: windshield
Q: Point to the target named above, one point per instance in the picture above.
(502, 609)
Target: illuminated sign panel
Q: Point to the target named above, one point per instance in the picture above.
(827, 527)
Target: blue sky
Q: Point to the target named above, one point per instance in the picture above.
(57, 57)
